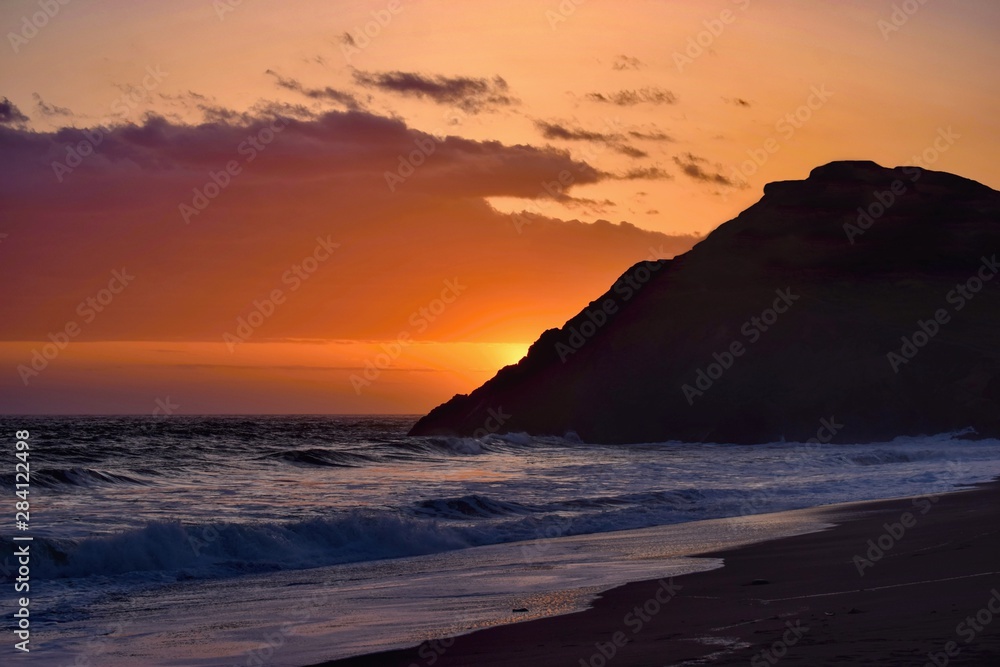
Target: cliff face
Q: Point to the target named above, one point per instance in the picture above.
(860, 304)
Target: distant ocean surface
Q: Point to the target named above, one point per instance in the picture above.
(155, 509)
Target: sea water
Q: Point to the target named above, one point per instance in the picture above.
(290, 540)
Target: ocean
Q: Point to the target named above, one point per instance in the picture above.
(287, 540)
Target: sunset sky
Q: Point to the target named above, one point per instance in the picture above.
(316, 207)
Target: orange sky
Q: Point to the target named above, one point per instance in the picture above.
(650, 115)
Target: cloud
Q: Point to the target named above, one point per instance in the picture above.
(558, 131)
(324, 178)
(737, 101)
(10, 114)
(326, 93)
(317, 178)
(623, 62)
(469, 94)
(654, 135)
(47, 109)
(614, 141)
(630, 151)
(628, 98)
(646, 173)
(213, 112)
(691, 165)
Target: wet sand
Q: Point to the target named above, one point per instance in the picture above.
(897, 582)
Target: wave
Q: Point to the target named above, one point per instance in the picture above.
(178, 551)
(472, 506)
(186, 551)
(320, 457)
(54, 478)
(888, 456)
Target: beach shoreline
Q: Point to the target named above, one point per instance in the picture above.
(906, 581)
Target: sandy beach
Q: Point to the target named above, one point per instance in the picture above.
(912, 581)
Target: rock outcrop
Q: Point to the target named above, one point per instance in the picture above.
(858, 305)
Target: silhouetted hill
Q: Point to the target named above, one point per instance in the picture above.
(877, 306)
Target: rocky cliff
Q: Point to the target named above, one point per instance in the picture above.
(860, 304)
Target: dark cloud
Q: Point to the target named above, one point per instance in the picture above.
(646, 173)
(695, 167)
(335, 145)
(654, 135)
(347, 39)
(470, 95)
(47, 109)
(630, 151)
(323, 178)
(737, 101)
(590, 205)
(326, 93)
(319, 60)
(613, 140)
(629, 98)
(213, 112)
(10, 114)
(623, 62)
(557, 131)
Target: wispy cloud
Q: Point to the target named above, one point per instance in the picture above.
(327, 93)
(469, 94)
(694, 167)
(623, 62)
(557, 131)
(630, 151)
(614, 141)
(653, 135)
(629, 98)
(645, 173)
(47, 109)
